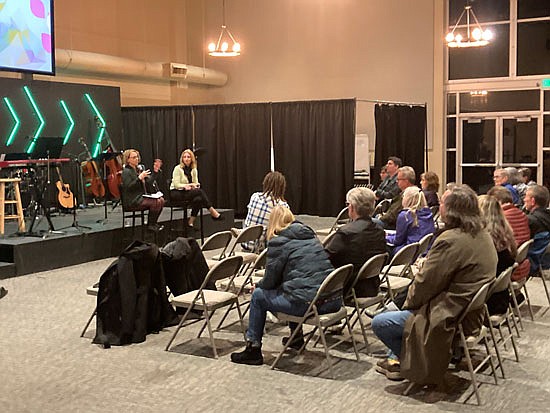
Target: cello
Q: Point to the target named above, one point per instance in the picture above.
(90, 172)
(114, 172)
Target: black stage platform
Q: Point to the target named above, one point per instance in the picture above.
(21, 255)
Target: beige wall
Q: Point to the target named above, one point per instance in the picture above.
(292, 50)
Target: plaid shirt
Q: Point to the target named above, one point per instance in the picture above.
(259, 209)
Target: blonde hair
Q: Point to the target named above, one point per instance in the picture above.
(280, 218)
(193, 159)
(126, 154)
(496, 223)
(413, 200)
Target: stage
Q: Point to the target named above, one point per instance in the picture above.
(106, 237)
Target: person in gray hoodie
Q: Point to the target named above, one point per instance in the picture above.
(296, 266)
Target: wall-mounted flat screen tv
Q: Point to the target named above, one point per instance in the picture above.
(27, 36)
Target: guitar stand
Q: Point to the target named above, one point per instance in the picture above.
(75, 223)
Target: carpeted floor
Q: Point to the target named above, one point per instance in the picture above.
(45, 366)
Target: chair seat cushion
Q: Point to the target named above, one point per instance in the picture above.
(325, 320)
(366, 302)
(239, 281)
(211, 263)
(212, 298)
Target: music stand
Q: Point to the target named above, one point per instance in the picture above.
(47, 147)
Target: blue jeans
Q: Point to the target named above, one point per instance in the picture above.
(389, 327)
(274, 301)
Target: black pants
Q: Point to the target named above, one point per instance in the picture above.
(196, 197)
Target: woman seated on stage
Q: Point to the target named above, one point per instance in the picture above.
(133, 189)
(185, 187)
(296, 266)
(414, 222)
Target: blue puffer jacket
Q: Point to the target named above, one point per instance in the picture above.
(297, 264)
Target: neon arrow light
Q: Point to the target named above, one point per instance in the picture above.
(97, 146)
(71, 127)
(42, 122)
(15, 118)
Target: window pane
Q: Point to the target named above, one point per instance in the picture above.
(485, 10)
(451, 104)
(546, 169)
(519, 141)
(451, 166)
(451, 133)
(547, 100)
(480, 178)
(500, 101)
(480, 62)
(534, 48)
(546, 131)
(478, 141)
(533, 8)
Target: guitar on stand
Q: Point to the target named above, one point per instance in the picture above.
(65, 196)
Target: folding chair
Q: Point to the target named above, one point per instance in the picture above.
(521, 256)
(470, 342)
(372, 268)
(403, 258)
(499, 320)
(341, 219)
(382, 207)
(541, 243)
(331, 286)
(93, 290)
(208, 301)
(242, 284)
(249, 234)
(218, 241)
(423, 246)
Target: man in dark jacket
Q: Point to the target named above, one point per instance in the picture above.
(361, 239)
(405, 177)
(536, 202)
(388, 188)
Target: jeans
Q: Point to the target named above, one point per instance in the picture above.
(389, 327)
(274, 301)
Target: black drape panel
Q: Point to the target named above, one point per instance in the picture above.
(158, 132)
(401, 132)
(314, 146)
(236, 139)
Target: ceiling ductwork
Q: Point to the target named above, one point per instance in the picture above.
(82, 63)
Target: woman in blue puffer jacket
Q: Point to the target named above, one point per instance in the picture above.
(296, 266)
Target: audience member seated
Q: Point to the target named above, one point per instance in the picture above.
(185, 187)
(296, 266)
(262, 203)
(536, 202)
(383, 173)
(405, 178)
(414, 222)
(133, 189)
(359, 240)
(518, 222)
(388, 188)
(501, 176)
(462, 259)
(525, 181)
(503, 239)
(429, 181)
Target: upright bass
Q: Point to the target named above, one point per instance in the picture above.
(113, 167)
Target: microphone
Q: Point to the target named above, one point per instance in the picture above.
(140, 168)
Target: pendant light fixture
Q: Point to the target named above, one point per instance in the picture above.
(475, 36)
(226, 46)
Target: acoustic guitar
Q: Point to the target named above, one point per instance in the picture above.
(65, 196)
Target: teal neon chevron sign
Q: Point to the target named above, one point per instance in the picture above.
(15, 118)
(40, 117)
(97, 146)
(71, 120)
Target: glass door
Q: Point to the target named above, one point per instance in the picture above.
(491, 142)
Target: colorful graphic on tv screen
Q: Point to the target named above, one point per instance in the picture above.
(26, 35)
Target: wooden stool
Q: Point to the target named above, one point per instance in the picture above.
(17, 201)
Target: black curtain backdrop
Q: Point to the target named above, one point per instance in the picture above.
(158, 132)
(314, 147)
(236, 140)
(401, 132)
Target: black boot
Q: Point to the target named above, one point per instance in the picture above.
(296, 343)
(252, 355)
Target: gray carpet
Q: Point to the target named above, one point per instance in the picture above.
(46, 366)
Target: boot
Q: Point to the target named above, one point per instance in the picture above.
(296, 343)
(251, 355)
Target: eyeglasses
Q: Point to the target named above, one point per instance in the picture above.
(347, 203)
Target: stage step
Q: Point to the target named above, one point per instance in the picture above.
(7, 270)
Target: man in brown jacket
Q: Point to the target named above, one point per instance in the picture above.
(462, 259)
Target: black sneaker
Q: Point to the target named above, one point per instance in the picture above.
(251, 355)
(155, 227)
(296, 344)
(3, 292)
(390, 368)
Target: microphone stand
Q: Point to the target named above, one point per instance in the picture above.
(75, 223)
